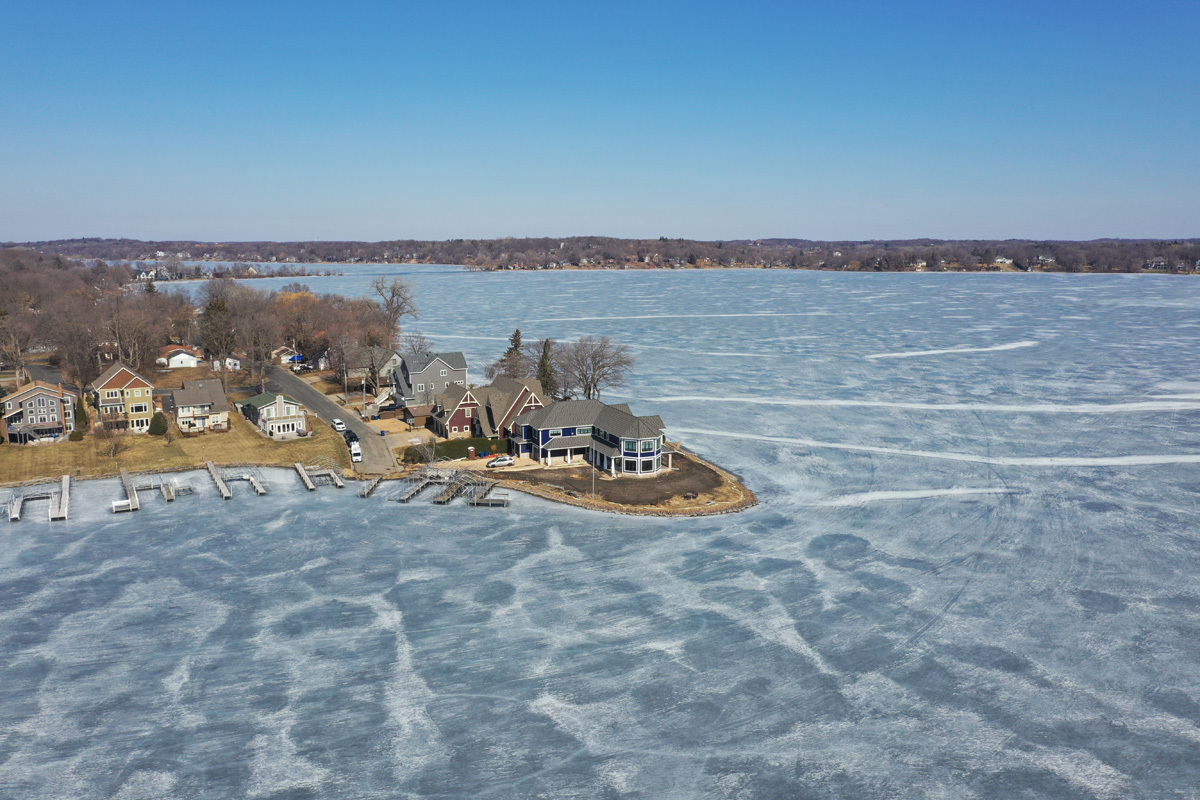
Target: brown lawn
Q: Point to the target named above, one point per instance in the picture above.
(145, 452)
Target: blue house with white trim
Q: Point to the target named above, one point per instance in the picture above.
(610, 437)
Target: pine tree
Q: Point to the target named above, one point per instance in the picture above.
(158, 424)
(514, 344)
(546, 374)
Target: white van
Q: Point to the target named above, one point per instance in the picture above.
(355, 452)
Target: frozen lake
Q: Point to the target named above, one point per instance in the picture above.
(972, 573)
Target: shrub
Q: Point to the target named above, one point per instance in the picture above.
(76, 436)
(158, 424)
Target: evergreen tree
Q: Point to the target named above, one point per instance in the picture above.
(514, 344)
(547, 375)
(158, 424)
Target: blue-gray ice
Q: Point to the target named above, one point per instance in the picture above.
(972, 574)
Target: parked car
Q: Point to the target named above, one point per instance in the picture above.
(501, 461)
(350, 436)
(338, 425)
(355, 452)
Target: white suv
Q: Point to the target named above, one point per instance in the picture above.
(338, 425)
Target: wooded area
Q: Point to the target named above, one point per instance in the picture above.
(1102, 255)
(88, 316)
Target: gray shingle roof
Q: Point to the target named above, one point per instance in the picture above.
(200, 393)
(614, 419)
(419, 361)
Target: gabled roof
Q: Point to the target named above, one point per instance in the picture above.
(614, 419)
(452, 398)
(36, 387)
(265, 399)
(417, 362)
(172, 349)
(199, 393)
(500, 399)
(118, 376)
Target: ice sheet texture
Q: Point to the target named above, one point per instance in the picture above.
(972, 574)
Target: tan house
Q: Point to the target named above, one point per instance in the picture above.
(36, 412)
(277, 415)
(124, 399)
(198, 407)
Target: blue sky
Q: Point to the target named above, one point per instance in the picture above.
(354, 120)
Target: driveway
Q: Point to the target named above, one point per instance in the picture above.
(377, 456)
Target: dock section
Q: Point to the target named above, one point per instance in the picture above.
(370, 487)
(168, 491)
(131, 497)
(219, 481)
(303, 473)
(59, 506)
(14, 510)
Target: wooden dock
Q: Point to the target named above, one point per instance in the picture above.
(370, 487)
(332, 475)
(130, 492)
(456, 487)
(414, 487)
(482, 496)
(303, 473)
(219, 481)
(60, 505)
(168, 491)
(14, 511)
(259, 489)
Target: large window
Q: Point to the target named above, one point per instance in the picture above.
(584, 431)
(629, 445)
(630, 465)
(557, 432)
(648, 446)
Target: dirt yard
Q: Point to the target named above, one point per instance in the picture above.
(689, 477)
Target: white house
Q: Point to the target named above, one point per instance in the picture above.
(177, 357)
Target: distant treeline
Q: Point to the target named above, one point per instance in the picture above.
(1101, 255)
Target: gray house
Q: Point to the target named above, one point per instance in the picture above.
(372, 363)
(198, 407)
(420, 377)
(610, 437)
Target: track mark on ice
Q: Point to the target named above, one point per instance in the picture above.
(1000, 461)
(863, 498)
(993, 349)
(1181, 403)
(688, 316)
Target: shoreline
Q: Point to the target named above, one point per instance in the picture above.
(747, 498)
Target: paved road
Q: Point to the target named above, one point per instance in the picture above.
(51, 375)
(377, 456)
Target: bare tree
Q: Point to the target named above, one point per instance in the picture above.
(256, 328)
(217, 332)
(593, 363)
(415, 342)
(398, 299)
(18, 332)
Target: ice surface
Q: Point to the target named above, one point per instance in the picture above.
(971, 574)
